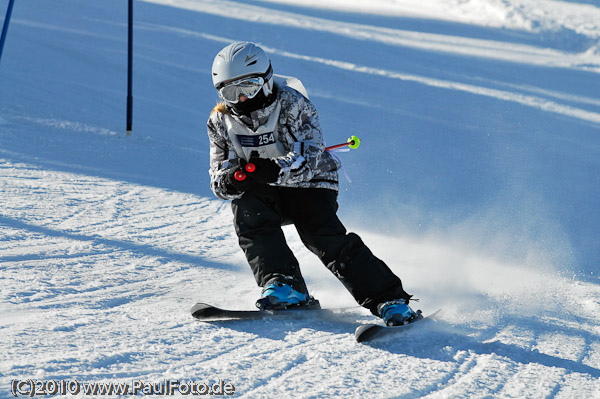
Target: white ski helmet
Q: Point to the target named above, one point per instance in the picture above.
(239, 60)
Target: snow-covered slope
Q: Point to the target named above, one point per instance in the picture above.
(478, 182)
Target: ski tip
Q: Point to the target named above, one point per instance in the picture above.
(365, 332)
(200, 305)
(368, 332)
(200, 309)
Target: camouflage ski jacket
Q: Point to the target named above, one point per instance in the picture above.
(287, 131)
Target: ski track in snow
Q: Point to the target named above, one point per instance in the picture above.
(502, 51)
(470, 47)
(98, 273)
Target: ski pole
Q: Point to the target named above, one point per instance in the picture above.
(353, 143)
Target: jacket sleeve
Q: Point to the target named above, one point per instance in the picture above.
(220, 163)
(308, 157)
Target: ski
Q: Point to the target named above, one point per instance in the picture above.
(368, 332)
(207, 312)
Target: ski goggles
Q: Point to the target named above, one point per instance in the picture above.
(248, 87)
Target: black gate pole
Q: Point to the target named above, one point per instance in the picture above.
(5, 27)
(130, 68)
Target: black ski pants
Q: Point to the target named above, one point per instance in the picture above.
(258, 217)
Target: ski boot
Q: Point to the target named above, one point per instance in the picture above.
(397, 313)
(277, 295)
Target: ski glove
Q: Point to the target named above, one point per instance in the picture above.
(235, 186)
(266, 170)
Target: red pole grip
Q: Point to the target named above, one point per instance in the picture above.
(239, 176)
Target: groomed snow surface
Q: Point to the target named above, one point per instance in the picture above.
(478, 182)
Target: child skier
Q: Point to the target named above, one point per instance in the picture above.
(267, 156)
